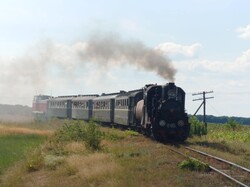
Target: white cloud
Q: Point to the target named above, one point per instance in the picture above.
(239, 65)
(243, 61)
(244, 32)
(204, 65)
(237, 83)
(173, 49)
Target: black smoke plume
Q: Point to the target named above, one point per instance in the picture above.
(111, 49)
(49, 65)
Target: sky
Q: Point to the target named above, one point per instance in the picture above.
(75, 47)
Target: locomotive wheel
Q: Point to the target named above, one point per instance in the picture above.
(146, 132)
(182, 138)
(158, 137)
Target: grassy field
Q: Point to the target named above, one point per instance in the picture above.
(223, 141)
(14, 148)
(16, 141)
(111, 157)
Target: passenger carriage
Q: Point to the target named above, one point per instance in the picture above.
(103, 108)
(124, 107)
(60, 107)
(82, 107)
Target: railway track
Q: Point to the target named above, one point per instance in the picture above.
(239, 175)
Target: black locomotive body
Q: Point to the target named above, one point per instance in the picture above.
(163, 112)
(154, 109)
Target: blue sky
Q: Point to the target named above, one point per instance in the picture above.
(207, 41)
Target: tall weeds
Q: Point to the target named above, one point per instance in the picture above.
(79, 131)
(93, 136)
(197, 128)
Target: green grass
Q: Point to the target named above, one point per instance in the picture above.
(223, 132)
(124, 158)
(194, 165)
(229, 143)
(14, 147)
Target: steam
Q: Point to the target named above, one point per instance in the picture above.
(107, 49)
(48, 65)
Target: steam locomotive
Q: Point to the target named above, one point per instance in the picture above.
(157, 110)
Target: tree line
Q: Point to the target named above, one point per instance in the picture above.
(224, 119)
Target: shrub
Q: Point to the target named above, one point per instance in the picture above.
(71, 132)
(77, 131)
(197, 127)
(34, 161)
(194, 165)
(93, 136)
(232, 124)
(52, 161)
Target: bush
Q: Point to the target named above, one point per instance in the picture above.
(232, 124)
(197, 127)
(77, 131)
(71, 132)
(194, 165)
(34, 161)
(93, 136)
(52, 161)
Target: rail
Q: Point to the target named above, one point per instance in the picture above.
(246, 170)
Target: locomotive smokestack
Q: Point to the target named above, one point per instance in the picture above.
(111, 50)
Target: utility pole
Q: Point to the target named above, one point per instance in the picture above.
(204, 98)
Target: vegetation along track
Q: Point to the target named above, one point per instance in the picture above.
(237, 174)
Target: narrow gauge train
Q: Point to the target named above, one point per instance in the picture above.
(156, 109)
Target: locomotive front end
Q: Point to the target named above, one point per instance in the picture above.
(166, 112)
(170, 122)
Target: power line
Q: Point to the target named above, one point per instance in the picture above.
(203, 98)
(233, 93)
(218, 112)
(227, 93)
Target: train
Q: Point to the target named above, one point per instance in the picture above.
(155, 110)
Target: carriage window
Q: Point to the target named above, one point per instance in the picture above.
(97, 105)
(74, 104)
(82, 105)
(107, 104)
(122, 103)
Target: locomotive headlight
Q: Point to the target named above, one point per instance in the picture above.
(162, 123)
(180, 123)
